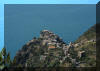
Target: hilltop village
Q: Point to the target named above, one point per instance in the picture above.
(49, 50)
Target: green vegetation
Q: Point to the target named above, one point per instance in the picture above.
(88, 35)
(90, 54)
(37, 53)
(4, 59)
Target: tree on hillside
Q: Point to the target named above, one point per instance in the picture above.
(4, 52)
(1, 57)
(4, 59)
(8, 59)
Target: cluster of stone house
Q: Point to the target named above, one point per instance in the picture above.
(50, 39)
(67, 54)
(66, 48)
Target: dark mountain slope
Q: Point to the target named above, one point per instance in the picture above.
(49, 50)
(37, 51)
(88, 35)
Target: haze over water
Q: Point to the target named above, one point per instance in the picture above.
(23, 22)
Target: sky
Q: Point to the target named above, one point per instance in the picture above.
(2, 2)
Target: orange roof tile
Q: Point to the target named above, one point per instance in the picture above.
(51, 47)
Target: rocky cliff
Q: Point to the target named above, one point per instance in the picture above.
(49, 50)
(37, 49)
